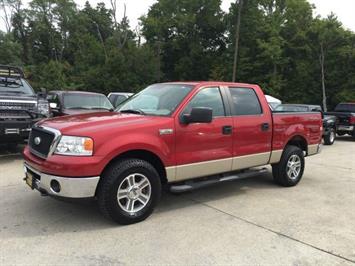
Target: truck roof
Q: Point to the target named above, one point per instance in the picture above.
(207, 83)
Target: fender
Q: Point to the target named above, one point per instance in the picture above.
(160, 146)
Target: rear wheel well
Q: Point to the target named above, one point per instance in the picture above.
(147, 156)
(299, 142)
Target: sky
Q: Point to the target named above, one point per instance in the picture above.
(344, 9)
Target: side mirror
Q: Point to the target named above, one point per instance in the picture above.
(198, 115)
(53, 105)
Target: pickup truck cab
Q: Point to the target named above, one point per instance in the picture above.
(345, 114)
(182, 135)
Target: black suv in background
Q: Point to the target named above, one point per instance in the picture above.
(329, 121)
(20, 106)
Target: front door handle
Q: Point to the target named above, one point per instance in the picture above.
(227, 130)
(265, 126)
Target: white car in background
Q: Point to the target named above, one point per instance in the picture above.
(272, 101)
(116, 98)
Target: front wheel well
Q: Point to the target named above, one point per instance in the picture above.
(145, 155)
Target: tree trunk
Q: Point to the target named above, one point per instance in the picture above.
(237, 33)
(321, 61)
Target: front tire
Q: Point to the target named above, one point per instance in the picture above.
(289, 171)
(330, 138)
(129, 191)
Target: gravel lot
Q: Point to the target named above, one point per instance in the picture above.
(249, 221)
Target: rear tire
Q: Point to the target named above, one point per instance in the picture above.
(129, 191)
(289, 171)
(330, 138)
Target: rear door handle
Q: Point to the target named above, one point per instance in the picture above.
(265, 126)
(227, 130)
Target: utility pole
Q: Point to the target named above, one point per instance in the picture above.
(321, 61)
(237, 32)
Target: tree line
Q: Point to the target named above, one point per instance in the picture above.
(280, 45)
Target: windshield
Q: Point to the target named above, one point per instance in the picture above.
(15, 86)
(345, 107)
(86, 101)
(157, 99)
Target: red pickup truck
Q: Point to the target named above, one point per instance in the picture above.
(182, 135)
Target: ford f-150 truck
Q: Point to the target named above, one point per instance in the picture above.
(178, 135)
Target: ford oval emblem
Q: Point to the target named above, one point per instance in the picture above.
(37, 140)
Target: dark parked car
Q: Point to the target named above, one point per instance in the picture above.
(77, 102)
(116, 98)
(20, 106)
(329, 121)
(345, 114)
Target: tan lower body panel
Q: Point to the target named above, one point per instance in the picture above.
(275, 156)
(313, 149)
(247, 161)
(188, 171)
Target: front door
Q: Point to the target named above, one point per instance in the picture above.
(204, 149)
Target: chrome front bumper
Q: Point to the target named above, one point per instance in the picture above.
(74, 187)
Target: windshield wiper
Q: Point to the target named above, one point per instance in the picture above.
(133, 111)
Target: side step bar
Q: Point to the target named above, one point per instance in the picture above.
(192, 185)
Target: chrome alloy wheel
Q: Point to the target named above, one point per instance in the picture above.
(293, 167)
(134, 193)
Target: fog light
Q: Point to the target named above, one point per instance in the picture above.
(55, 186)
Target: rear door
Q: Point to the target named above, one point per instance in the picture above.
(204, 148)
(252, 128)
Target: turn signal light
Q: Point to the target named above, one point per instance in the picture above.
(88, 145)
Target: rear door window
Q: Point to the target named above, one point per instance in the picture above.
(245, 102)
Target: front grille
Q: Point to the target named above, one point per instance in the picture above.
(17, 105)
(46, 139)
(5, 114)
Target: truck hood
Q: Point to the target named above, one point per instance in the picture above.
(91, 123)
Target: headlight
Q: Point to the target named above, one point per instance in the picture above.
(43, 108)
(75, 146)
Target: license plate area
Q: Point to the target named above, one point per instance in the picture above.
(31, 178)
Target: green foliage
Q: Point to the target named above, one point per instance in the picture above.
(10, 51)
(63, 47)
